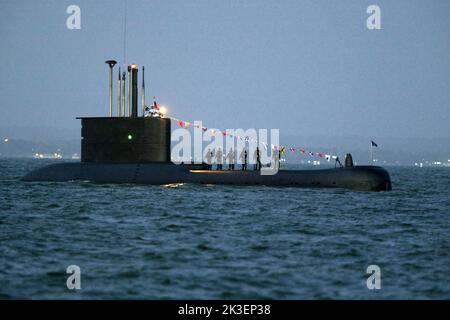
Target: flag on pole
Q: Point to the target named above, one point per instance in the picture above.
(155, 105)
(372, 144)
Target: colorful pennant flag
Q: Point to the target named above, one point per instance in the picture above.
(155, 105)
(282, 149)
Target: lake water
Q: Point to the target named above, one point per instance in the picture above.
(225, 242)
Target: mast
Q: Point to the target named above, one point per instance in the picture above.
(134, 91)
(143, 91)
(119, 92)
(111, 64)
(123, 93)
(129, 91)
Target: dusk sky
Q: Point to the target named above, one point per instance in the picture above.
(305, 67)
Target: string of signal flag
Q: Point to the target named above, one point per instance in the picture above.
(186, 124)
(302, 151)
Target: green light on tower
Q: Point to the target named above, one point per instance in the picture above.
(130, 137)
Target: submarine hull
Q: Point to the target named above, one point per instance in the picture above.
(363, 178)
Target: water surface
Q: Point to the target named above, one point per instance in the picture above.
(207, 242)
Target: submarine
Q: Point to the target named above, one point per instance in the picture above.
(133, 148)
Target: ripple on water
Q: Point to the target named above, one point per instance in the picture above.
(222, 241)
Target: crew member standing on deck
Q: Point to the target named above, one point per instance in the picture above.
(243, 158)
(230, 158)
(276, 155)
(257, 158)
(219, 159)
(208, 157)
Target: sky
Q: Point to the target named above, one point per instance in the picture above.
(305, 67)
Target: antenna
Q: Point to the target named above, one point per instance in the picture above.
(134, 91)
(111, 64)
(143, 91)
(129, 91)
(119, 92)
(125, 34)
(123, 93)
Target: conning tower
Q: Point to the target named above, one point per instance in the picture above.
(125, 138)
